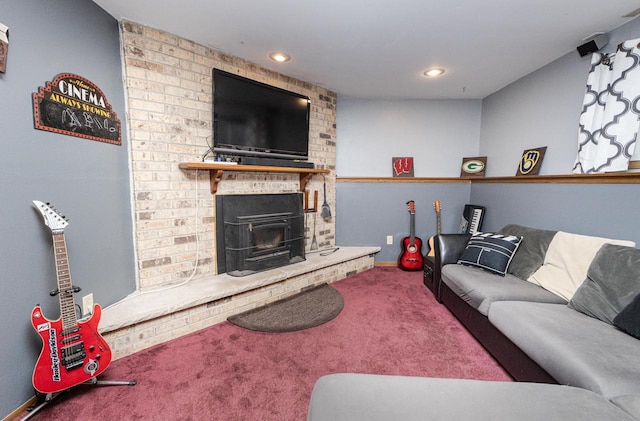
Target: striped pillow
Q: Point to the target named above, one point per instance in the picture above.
(491, 252)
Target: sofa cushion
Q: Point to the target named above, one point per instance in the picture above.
(354, 397)
(480, 288)
(613, 280)
(628, 320)
(492, 252)
(567, 261)
(575, 349)
(530, 254)
(629, 403)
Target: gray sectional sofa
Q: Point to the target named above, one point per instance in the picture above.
(360, 397)
(561, 313)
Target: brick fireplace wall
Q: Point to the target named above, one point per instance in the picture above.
(169, 95)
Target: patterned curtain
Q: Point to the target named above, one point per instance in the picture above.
(610, 116)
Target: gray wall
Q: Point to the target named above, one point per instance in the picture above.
(437, 133)
(541, 109)
(86, 180)
(89, 181)
(368, 212)
(609, 210)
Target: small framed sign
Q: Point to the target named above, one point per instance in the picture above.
(531, 161)
(75, 106)
(4, 47)
(402, 167)
(473, 167)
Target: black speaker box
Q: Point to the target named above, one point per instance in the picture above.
(594, 44)
(274, 162)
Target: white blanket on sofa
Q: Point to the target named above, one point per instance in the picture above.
(567, 261)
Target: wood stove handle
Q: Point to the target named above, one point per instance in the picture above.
(306, 201)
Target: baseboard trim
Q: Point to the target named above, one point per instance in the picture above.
(385, 264)
(12, 416)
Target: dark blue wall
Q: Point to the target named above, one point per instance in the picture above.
(86, 180)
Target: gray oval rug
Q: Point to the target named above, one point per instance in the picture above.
(309, 308)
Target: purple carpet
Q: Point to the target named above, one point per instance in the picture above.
(390, 324)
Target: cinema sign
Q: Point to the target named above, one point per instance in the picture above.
(73, 105)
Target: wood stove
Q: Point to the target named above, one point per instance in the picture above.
(256, 232)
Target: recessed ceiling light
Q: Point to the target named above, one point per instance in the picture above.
(433, 72)
(279, 57)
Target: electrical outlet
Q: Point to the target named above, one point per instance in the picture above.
(389, 239)
(87, 304)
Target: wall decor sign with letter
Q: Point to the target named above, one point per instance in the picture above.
(4, 47)
(402, 167)
(73, 105)
(473, 167)
(531, 161)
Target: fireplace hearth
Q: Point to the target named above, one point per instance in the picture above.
(256, 232)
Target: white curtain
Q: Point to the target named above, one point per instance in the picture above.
(610, 116)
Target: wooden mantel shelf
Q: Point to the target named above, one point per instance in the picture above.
(216, 170)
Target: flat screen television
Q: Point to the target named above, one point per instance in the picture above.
(255, 119)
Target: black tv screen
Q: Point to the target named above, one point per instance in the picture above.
(252, 118)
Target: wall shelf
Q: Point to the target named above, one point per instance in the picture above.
(216, 170)
(607, 178)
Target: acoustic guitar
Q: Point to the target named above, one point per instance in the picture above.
(411, 257)
(73, 351)
(432, 250)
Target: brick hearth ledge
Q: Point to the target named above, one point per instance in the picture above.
(143, 306)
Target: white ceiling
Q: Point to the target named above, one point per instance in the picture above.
(379, 48)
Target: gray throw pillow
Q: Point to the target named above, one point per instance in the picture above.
(613, 280)
(628, 320)
(532, 249)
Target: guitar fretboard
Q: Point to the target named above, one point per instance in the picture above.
(412, 229)
(65, 288)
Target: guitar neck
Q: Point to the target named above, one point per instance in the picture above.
(439, 225)
(65, 288)
(412, 228)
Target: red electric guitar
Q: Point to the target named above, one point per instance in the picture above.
(73, 351)
(411, 256)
